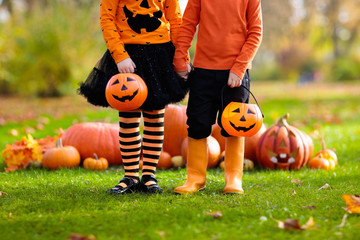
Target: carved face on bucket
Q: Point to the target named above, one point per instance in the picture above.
(126, 92)
(241, 119)
(137, 20)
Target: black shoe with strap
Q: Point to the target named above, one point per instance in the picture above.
(132, 185)
(150, 188)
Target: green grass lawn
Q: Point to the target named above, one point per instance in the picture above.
(43, 204)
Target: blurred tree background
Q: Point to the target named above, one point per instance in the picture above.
(48, 46)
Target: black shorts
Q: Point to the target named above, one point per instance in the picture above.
(209, 95)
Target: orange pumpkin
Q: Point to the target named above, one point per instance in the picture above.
(241, 119)
(284, 147)
(126, 91)
(95, 163)
(164, 161)
(320, 162)
(61, 157)
(327, 153)
(213, 151)
(102, 138)
(324, 159)
(250, 142)
(175, 128)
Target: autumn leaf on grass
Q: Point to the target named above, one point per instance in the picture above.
(309, 207)
(1, 193)
(325, 186)
(36, 149)
(295, 224)
(297, 181)
(216, 215)
(352, 203)
(76, 236)
(47, 143)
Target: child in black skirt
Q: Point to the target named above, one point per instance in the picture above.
(139, 36)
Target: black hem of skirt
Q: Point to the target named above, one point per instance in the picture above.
(153, 64)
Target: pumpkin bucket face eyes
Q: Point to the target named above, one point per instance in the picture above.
(240, 119)
(128, 95)
(126, 92)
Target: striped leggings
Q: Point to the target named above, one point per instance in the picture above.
(130, 141)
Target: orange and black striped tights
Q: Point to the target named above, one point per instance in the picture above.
(130, 142)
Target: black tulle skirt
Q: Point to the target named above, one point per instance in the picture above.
(153, 64)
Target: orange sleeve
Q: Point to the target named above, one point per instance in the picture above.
(109, 30)
(173, 16)
(186, 34)
(253, 40)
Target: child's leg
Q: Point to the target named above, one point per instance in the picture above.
(196, 167)
(201, 113)
(234, 146)
(130, 146)
(153, 138)
(234, 160)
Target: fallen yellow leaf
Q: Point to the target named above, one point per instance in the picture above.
(352, 203)
(309, 224)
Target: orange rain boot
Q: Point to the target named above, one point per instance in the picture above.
(234, 160)
(196, 167)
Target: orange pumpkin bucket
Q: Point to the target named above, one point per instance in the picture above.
(242, 119)
(126, 91)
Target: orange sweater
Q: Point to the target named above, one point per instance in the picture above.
(138, 22)
(229, 34)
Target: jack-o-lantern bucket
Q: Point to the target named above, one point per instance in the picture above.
(126, 91)
(242, 119)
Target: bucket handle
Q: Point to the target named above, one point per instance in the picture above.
(222, 97)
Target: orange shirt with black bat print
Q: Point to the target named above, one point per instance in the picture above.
(138, 22)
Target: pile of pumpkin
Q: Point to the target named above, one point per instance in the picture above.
(280, 147)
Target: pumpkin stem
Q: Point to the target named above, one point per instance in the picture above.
(323, 145)
(95, 156)
(282, 121)
(59, 143)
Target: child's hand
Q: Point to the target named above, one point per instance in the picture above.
(126, 66)
(185, 74)
(234, 80)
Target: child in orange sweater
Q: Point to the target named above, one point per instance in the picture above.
(139, 36)
(229, 34)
